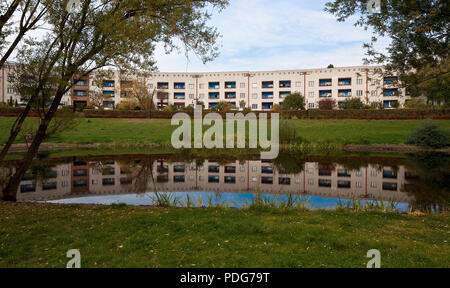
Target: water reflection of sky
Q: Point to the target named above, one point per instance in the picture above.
(233, 200)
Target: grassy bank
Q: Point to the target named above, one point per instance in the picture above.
(40, 236)
(133, 131)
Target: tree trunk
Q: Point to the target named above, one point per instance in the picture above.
(15, 131)
(10, 191)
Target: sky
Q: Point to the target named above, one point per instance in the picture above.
(275, 35)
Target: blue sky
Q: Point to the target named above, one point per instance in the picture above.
(271, 35)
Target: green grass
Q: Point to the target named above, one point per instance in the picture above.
(34, 235)
(159, 131)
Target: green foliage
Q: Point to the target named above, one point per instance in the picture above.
(418, 31)
(429, 136)
(352, 104)
(294, 101)
(415, 104)
(376, 106)
(224, 107)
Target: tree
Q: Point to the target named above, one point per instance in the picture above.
(327, 104)
(29, 13)
(415, 104)
(294, 101)
(111, 33)
(139, 91)
(330, 66)
(419, 48)
(353, 103)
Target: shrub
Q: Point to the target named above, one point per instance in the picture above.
(327, 104)
(376, 106)
(353, 104)
(429, 136)
(128, 105)
(294, 101)
(415, 104)
(276, 108)
(224, 107)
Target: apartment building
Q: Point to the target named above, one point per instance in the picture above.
(256, 90)
(82, 179)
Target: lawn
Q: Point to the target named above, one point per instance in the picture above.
(160, 131)
(35, 235)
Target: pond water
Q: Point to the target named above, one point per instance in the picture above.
(414, 182)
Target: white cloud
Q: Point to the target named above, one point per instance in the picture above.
(270, 35)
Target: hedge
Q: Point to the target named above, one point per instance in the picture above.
(395, 114)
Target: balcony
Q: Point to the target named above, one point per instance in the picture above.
(285, 84)
(390, 104)
(267, 95)
(325, 93)
(230, 95)
(344, 184)
(344, 81)
(214, 85)
(267, 106)
(179, 86)
(162, 85)
(108, 94)
(109, 84)
(390, 92)
(212, 105)
(80, 93)
(345, 93)
(79, 82)
(267, 84)
(230, 85)
(109, 104)
(325, 183)
(179, 96)
(214, 95)
(390, 80)
(325, 82)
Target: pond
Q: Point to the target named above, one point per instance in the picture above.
(406, 182)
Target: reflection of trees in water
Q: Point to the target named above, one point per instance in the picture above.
(429, 181)
(289, 164)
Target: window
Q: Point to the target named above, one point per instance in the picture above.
(310, 181)
(242, 95)
(191, 86)
(255, 85)
(311, 105)
(150, 86)
(201, 86)
(358, 185)
(374, 173)
(311, 83)
(373, 185)
(191, 96)
(311, 94)
(255, 96)
(95, 182)
(202, 96)
(255, 106)
(64, 184)
(242, 85)
(359, 93)
(373, 93)
(359, 81)
(10, 90)
(298, 84)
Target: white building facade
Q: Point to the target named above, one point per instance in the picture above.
(256, 90)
